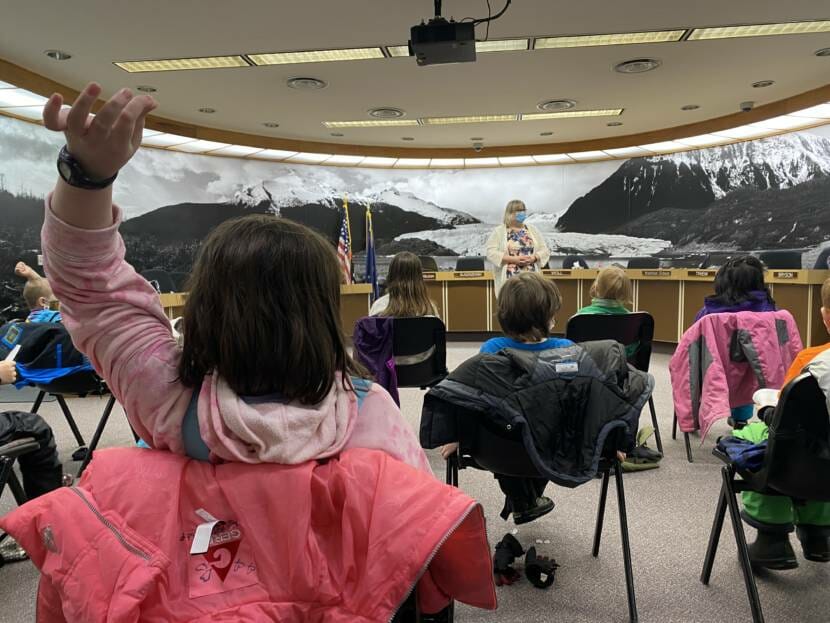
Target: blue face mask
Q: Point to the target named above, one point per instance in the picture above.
(521, 217)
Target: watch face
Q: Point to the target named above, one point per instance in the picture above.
(65, 170)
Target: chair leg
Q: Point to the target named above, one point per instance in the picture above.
(714, 538)
(655, 425)
(674, 426)
(38, 401)
(70, 420)
(600, 513)
(96, 437)
(452, 470)
(5, 472)
(743, 550)
(17, 489)
(629, 573)
(688, 447)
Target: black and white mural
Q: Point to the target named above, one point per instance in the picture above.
(771, 193)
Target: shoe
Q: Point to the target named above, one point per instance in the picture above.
(814, 542)
(543, 506)
(736, 424)
(772, 550)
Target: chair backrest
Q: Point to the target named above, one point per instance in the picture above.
(428, 264)
(644, 262)
(624, 328)
(823, 260)
(179, 281)
(472, 262)
(574, 261)
(160, 280)
(781, 259)
(420, 349)
(797, 462)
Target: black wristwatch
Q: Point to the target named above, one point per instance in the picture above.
(73, 174)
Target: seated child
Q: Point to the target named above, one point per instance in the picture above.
(611, 293)
(406, 293)
(774, 516)
(739, 286)
(527, 305)
(38, 295)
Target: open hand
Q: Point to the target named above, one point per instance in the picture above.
(104, 143)
(22, 269)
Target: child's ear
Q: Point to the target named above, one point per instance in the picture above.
(825, 317)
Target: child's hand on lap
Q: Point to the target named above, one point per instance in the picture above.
(8, 372)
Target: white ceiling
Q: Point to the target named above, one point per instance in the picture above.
(716, 75)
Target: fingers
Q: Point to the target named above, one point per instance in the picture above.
(138, 130)
(76, 120)
(106, 117)
(51, 113)
(131, 120)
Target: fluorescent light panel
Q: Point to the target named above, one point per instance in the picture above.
(376, 161)
(565, 114)
(412, 163)
(472, 163)
(274, 154)
(344, 160)
(624, 38)
(308, 158)
(589, 155)
(469, 119)
(552, 158)
(181, 64)
(822, 111)
(32, 113)
(759, 30)
(371, 123)
(446, 163)
(240, 151)
(624, 152)
(316, 56)
(166, 140)
(397, 51)
(665, 146)
(200, 146)
(6, 85)
(503, 45)
(20, 97)
(514, 161)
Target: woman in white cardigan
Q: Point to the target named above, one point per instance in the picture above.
(515, 246)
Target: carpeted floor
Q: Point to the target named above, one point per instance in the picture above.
(670, 514)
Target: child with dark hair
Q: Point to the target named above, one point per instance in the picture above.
(739, 286)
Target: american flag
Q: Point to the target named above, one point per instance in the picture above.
(344, 244)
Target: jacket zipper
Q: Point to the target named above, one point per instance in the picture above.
(432, 555)
(129, 547)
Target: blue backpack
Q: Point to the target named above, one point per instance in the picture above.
(46, 352)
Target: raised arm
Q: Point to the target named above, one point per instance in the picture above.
(112, 313)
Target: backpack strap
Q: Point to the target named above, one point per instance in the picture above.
(194, 446)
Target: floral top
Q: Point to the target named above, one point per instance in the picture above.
(519, 243)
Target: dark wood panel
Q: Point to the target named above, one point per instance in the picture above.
(695, 292)
(568, 288)
(435, 290)
(467, 301)
(352, 307)
(662, 300)
(819, 331)
(795, 299)
(586, 291)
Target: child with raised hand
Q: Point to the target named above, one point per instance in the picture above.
(264, 374)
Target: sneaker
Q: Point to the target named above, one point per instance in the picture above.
(814, 543)
(543, 506)
(772, 550)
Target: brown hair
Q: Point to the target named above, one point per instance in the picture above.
(612, 283)
(527, 304)
(825, 294)
(512, 207)
(406, 288)
(36, 289)
(264, 311)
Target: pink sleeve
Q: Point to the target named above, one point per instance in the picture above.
(115, 317)
(381, 426)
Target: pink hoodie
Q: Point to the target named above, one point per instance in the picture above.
(116, 319)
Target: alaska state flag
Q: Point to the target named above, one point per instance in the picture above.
(371, 262)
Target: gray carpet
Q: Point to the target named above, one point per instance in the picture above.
(670, 514)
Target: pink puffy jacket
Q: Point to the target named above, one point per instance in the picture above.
(723, 358)
(340, 541)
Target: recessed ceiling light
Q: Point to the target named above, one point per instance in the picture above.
(386, 112)
(337, 134)
(823, 52)
(207, 111)
(306, 84)
(315, 56)
(759, 30)
(614, 124)
(469, 119)
(567, 114)
(637, 65)
(545, 133)
(58, 55)
(371, 123)
(476, 138)
(180, 64)
(146, 88)
(624, 38)
(555, 105)
(505, 45)
(271, 124)
(762, 84)
(407, 138)
(690, 107)
(396, 51)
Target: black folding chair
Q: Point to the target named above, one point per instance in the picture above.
(626, 329)
(483, 445)
(644, 262)
(420, 349)
(796, 465)
(781, 259)
(472, 262)
(79, 384)
(9, 453)
(823, 260)
(179, 281)
(428, 263)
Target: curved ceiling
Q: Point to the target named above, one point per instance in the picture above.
(715, 75)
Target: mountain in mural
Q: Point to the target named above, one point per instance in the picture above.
(747, 219)
(691, 181)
